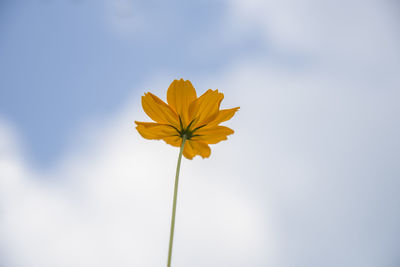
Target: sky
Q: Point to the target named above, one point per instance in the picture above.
(310, 177)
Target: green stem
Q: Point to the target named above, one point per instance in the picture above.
(171, 235)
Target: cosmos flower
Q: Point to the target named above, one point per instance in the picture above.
(195, 120)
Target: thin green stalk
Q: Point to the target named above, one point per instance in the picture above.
(171, 235)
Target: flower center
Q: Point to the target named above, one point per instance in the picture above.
(187, 132)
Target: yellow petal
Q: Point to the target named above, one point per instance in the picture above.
(205, 108)
(188, 151)
(212, 135)
(156, 131)
(200, 148)
(173, 140)
(179, 96)
(223, 115)
(147, 124)
(158, 110)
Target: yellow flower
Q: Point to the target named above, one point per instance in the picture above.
(186, 116)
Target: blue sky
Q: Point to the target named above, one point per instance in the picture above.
(63, 63)
(310, 178)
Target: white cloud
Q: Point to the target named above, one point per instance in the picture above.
(328, 25)
(109, 204)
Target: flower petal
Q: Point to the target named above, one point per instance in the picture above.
(223, 115)
(147, 124)
(179, 96)
(150, 130)
(212, 135)
(205, 108)
(188, 151)
(158, 110)
(173, 140)
(200, 148)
